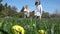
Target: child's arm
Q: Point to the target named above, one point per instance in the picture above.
(41, 9)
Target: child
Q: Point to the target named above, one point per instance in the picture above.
(38, 11)
(26, 12)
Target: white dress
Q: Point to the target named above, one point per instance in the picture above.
(38, 11)
(26, 13)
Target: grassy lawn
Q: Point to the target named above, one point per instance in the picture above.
(31, 25)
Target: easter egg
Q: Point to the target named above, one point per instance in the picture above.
(42, 31)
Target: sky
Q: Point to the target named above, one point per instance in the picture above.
(48, 5)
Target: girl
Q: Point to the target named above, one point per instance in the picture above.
(26, 12)
(38, 11)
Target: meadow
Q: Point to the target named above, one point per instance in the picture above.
(31, 25)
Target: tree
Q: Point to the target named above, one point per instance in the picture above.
(12, 11)
(4, 12)
(5, 6)
(1, 7)
(1, 1)
(9, 11)
(56, 14)
(22, 10)
(45, 14)
(21, 13)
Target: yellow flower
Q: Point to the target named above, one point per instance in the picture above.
(42, 31)
(18, 29)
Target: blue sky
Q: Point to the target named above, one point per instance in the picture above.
(48, 5)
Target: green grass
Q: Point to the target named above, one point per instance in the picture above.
(31, 25)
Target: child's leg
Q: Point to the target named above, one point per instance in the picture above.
(40, 17)
(37, 16)
(24, 15)
(27, 15)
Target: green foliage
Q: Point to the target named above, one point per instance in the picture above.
(32, 14)
(46, 14)
(21, 14)
(31, 25)
(5, 12)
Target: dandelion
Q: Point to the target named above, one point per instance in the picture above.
(17, 29)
